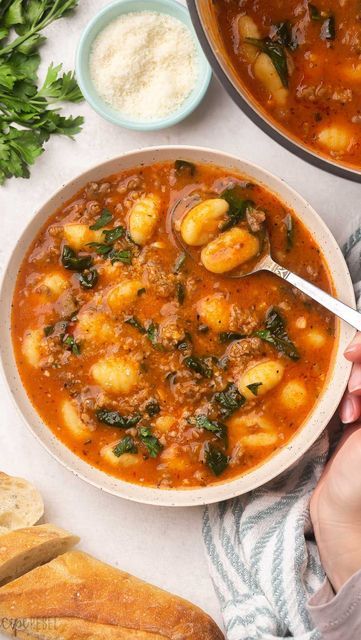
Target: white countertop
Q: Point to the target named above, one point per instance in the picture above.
(163, 546)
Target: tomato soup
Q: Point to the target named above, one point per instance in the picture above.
(150, 362)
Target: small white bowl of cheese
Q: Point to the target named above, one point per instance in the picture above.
(140, 66)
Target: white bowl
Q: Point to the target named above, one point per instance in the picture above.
(285, 456)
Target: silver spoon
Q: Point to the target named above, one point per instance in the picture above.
(266, 263)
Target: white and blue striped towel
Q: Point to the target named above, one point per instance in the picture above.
(263, 559)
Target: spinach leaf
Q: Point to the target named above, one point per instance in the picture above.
(179, 263)
(180, 292)
(238, 206)
(275, 334)
(141, 291)
(115, 419)
(152, 408)
(125, 256)
(49, 330)
(216, 460)
(314, 13)
(184, 167)
(284, 35)
(152, 443)
(89, 279)
(104, 219)
(253, 387)
(112, 235)
(73, 262)
(134, 322)
(100, 248)
(201, 421)
(229, 336)
(72, 345)
(199, 365)
(230, 399)
(276, 52)
(126, 445)
(153, 334)
(290, 231)
(328, 29)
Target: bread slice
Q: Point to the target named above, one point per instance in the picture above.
(87, 599)
(25, 549)
(21, 505)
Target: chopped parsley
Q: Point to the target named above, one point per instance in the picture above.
(126, 445)
(104, 219)
(116, 419)
(154, 447)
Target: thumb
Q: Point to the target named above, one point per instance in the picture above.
(353, 351)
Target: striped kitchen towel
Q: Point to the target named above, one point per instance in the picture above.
(263, 561)
(262, 556)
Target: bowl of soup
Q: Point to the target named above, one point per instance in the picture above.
(147, 369)
(294, 69)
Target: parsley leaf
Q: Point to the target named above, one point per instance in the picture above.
(201, 421)
(29, 115)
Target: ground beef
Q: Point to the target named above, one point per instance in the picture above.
(241, 352)
(255, 219)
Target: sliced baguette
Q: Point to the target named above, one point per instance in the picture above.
(25, 549)
(21, 505)
(89, 599)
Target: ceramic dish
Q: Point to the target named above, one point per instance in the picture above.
(285, 456)
(205, 24)
(97, 24)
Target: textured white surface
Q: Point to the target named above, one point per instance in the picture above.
(160, 545)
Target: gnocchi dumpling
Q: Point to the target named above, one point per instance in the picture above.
(253, 431)
(73, 422)
(116, 375)
(201, 223)
(94, 327)
(77, 236)
(315, 338)
(125, 460)
(174, 459)
(247, 28)
(265, 71)
(143, 219)
(215, 312)
(260, 378)
(53, 285)
(32, 347)
(294, 394)
(229, 250)
(165, 423)
(123, 294)
(336, 138)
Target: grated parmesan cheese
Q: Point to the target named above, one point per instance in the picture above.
(144, 64)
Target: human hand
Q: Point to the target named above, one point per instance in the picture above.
(350, 408)
(336, 510)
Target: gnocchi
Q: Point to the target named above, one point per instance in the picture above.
(294, 394)
(264, 70)
(125, 460)
(266, 375)
(201, 223)
(335, 138)
(123, 295)
(116, 375)
(247, 28)
(315, 338)
(32, 347)
(73, 422)
(230, 250)
(54, 284)
(94, 327)
(143, 219)
(215, 312)
(77, 236)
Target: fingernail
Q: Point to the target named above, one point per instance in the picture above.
(348, 411)
(353, 348)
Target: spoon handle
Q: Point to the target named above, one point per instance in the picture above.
(343, 311)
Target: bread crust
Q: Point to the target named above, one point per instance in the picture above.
(24, 549)
(77, 586)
